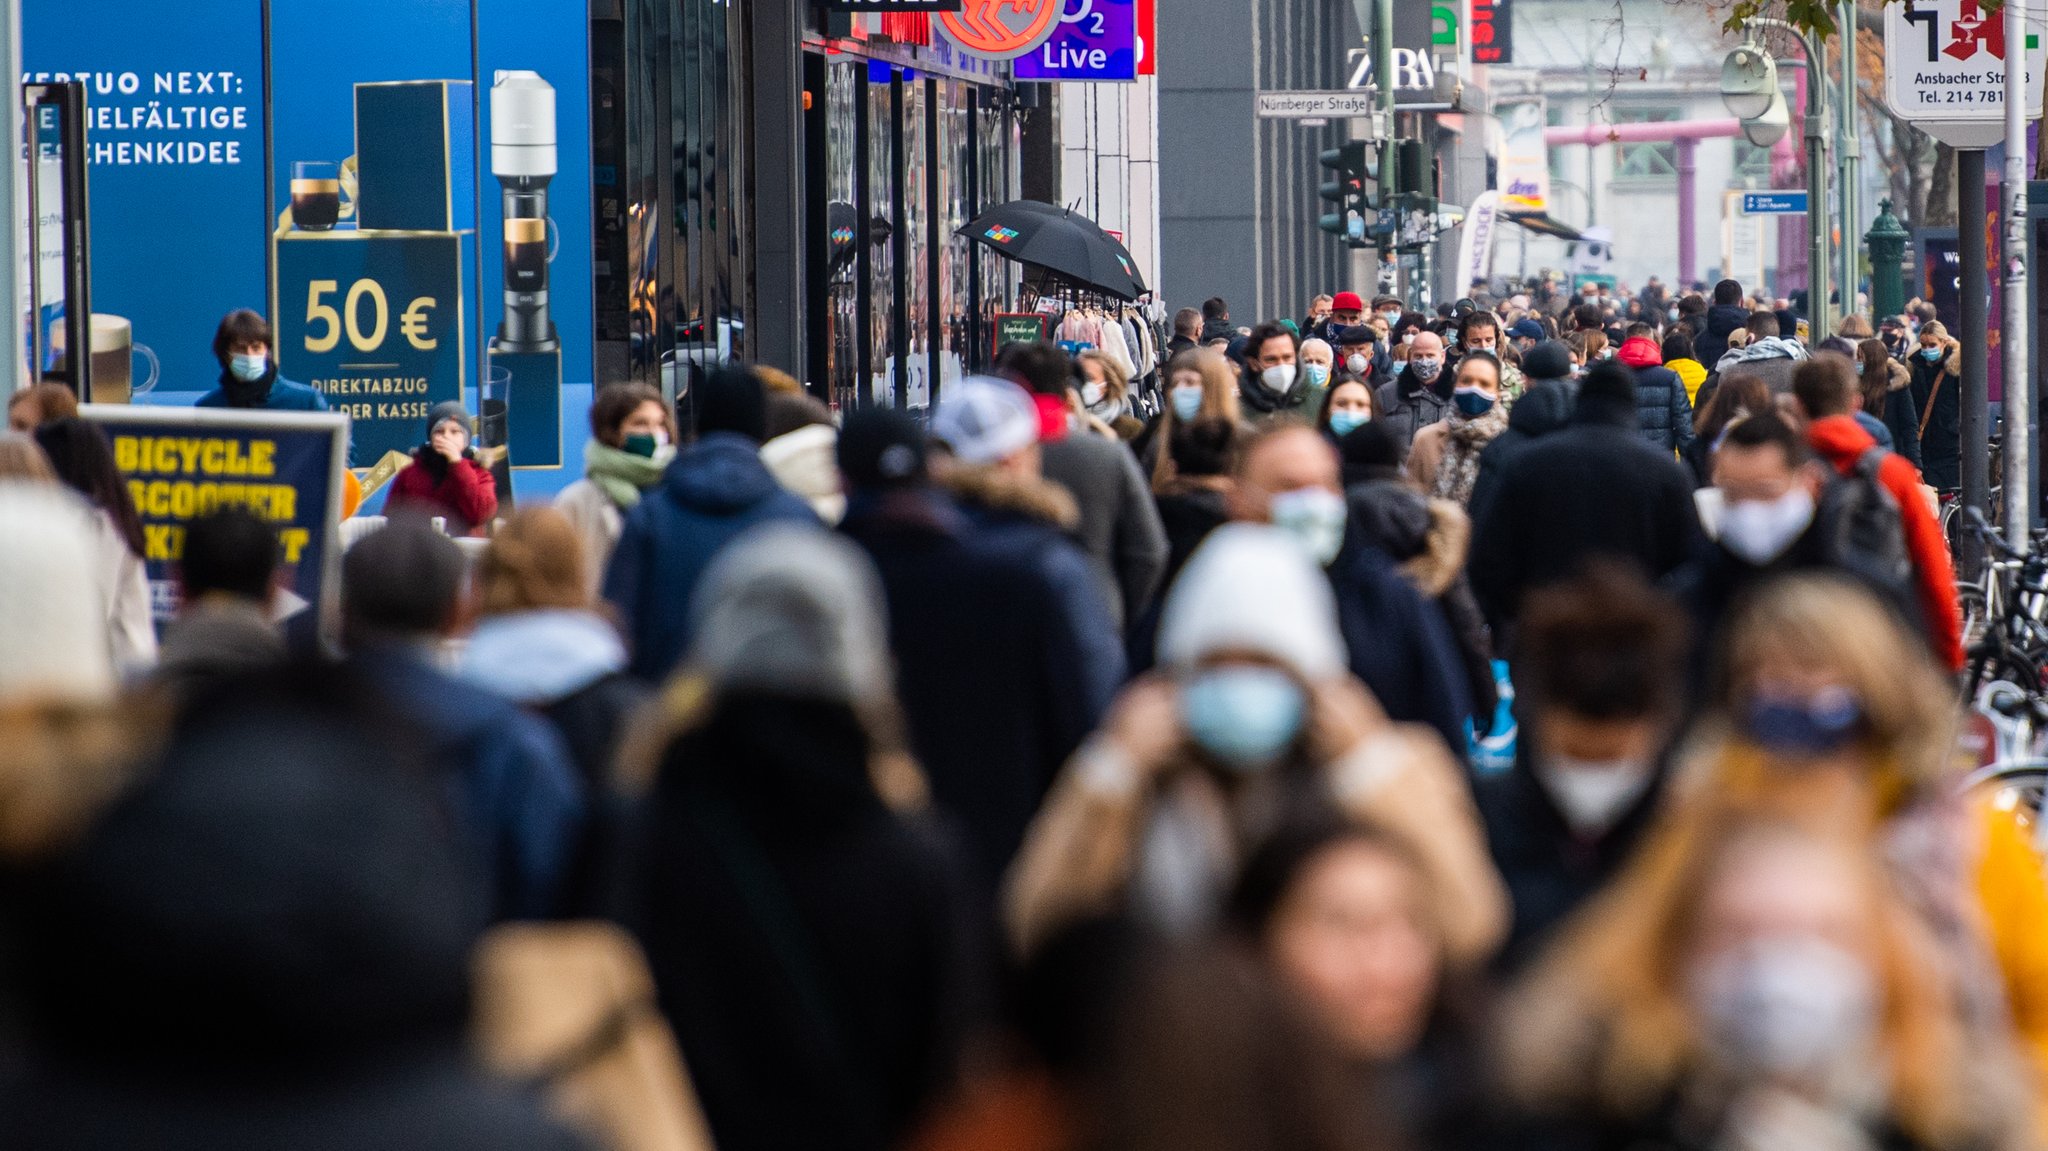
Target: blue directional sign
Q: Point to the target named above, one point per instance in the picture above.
(1774, 203)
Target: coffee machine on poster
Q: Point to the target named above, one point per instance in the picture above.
(526, 355)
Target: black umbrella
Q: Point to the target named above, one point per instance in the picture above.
(1070, 247)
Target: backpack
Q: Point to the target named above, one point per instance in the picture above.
(1865, 528)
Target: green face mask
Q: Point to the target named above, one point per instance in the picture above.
(640, 446)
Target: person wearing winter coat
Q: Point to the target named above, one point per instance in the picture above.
(1545, 407)
(1005, 655)
(1768, 356)
(1678, 356)
(802, 452)
(1594, 489)
(506, 780)
(227, 588)
(1663, 410)
(83, 461)
(1888, 395)
(248, 371)
(1827, 391)
(632, 441)
(1724, 316)
(1196, 501)
(1937, 389)
(1272, 385)
(1443, 460)
(445, 478)
(264, 942)
(1250, 717)
(716, 488)
(810, 928)
(1421, 394)
(1599, 690)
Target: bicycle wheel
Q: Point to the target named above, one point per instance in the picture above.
(1976, 615)
(2019, 788)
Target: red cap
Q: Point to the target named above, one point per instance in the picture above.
(1347, 302)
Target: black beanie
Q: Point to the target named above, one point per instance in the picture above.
(731, 399)
(1370, 445)
(1609, 380)
(1549, 360)
(881, 448)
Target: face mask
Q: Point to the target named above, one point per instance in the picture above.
(1390, 317)
(1318, 374)
(1407, 338)
(1472, 401)
(1356, 363)
(1091, 394)
(1804, 728)
(1786, 1007)
(1346, 422)
(1484, 347)
(1278, 378)
(1760, 530)
(643, 446)
(1246, 717)
(248, 367)
(1187, 403)
(1314, 516)
(1592, 795)
(1859, 367)
(1931, 355)
(1672, 315)
(1426, 369)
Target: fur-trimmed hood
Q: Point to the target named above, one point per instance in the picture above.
(1429, 538)
(1898, 377)
(1444, 546)
(995, 490)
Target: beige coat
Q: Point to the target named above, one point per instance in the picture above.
(598, 522)
(1079, 856)
(1426, 453)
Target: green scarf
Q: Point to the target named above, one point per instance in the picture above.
(621, 474)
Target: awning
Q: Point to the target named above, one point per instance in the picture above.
(1542, 224)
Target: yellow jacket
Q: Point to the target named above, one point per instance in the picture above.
(1693, 373)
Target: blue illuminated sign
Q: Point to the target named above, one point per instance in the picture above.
(1097, 40)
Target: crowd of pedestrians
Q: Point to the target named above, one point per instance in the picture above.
(1067, 769)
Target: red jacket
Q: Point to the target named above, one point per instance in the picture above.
(1841, 441)
(467, 496)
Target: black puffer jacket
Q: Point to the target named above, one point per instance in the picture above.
(1722, 319)
(1429, 539)
(1662, 410)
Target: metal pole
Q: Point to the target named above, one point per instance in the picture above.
(1390, 154)
(2019, 392)
(1976, 400)
(1818, 218)
(1688, 180)
(11, 223)
(1850, 155)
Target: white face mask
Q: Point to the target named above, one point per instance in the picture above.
(1278, 378)
(1760, 530)
(1091, 394)
(1785, 1007)
(1407, 338)
(1592, 795)
(1356, 363)
(1315, 516)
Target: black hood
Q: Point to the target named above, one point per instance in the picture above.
(283, 885)
(1544, 408)
(1725, 318)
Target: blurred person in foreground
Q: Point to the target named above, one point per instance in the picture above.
(1117, 526)
(1828, 394)
(1005, 655)
(1197, 500)
(1825, 705)
(227, 584)
(632, 441)
(38, 404)
(505, 776)
(83, 460)
(1592, 490)
(1751, 984)
(265, 943)
(1398, 642)
(801, 452)
(810, 933)
(1251, 715)
(445, 479)
(716, 488)
(1599, 688)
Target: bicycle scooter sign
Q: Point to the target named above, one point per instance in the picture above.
(1001, 29)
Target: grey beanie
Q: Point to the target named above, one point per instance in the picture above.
(793, 610)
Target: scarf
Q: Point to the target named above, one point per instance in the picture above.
(242, 393)
(1465, 437)
(620, 474)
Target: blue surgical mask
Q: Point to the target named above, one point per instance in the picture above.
(1246, 717)
(1345, 422)
(1318, 374)
(1314, 516)
(1472, 402)
(1930, 354)
(1804, 727)
(249, 366)
(1187, 402)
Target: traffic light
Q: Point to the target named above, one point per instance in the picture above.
(1418, 172)
(1350, 166)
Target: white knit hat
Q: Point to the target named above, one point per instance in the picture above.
(985, 420)
(796, 610)
(806, 461)
(1252, 588)
(53, 628)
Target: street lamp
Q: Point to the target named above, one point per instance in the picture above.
(1749, 82)
(1749, 87)
(1766, 129)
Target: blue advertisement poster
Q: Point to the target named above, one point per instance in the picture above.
(181, 463)
(174, 130)
(1097, 40)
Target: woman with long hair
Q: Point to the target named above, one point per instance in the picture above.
(1199, 386)
(1888, 395)
(83, 460)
